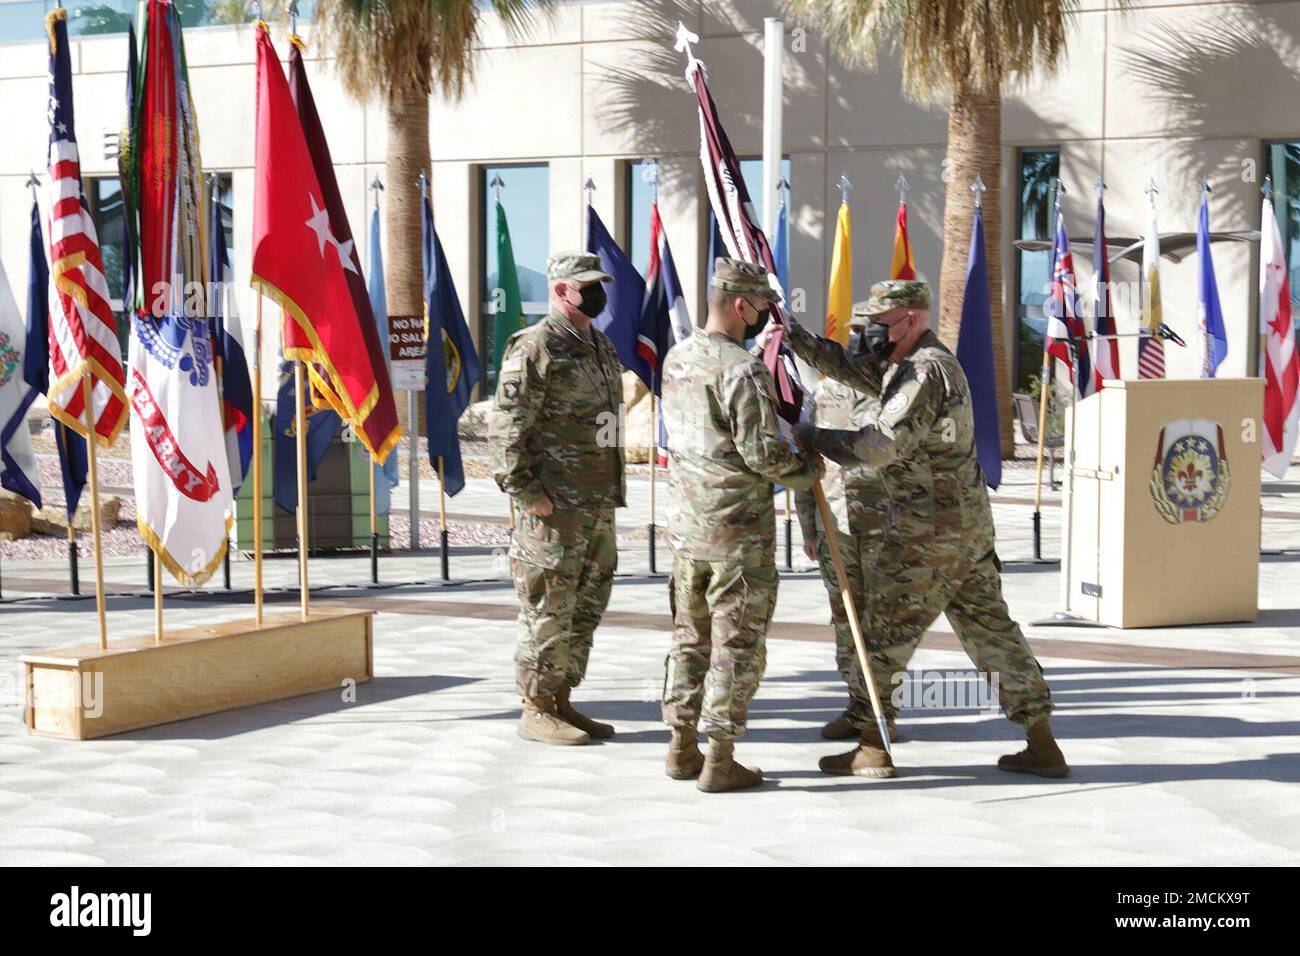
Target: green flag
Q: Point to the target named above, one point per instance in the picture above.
(508, 316)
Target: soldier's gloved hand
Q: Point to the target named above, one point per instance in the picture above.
(804, 434)
(816, 463)
(542, 507)
(810, 549)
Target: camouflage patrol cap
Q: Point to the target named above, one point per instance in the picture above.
(746, 278)
(892, 294)
(578, 266)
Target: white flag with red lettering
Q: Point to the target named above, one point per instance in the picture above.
(1281, 364)
(178, 445)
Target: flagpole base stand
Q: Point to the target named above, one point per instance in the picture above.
(79, 693)
(789, 545)
(444, 546)
(74, 577)
(1066, 618)
(650, 531)
(374, 558)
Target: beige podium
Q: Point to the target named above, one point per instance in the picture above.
(1161, 514)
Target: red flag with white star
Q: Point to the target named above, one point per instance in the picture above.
(300, 262)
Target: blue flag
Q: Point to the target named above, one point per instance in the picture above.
(975, 353)
(717, 248)
(232, 363)
(73, 462)
(322, 425)
(626, 293)
(451, 365)
(386, 475)
(1213, 335)
(781, 251)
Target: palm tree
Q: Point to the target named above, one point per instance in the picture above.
(402, 50)
(965, 54)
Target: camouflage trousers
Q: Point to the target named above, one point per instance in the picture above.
(721, 612)
(563, 567)
(915, 581)
(859, 554)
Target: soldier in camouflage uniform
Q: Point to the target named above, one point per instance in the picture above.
(555, 436)
(726, 449)
(938, 555)
(858, 502)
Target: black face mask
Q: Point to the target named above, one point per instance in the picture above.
(593, 300)
(759, 323)
(871, 339)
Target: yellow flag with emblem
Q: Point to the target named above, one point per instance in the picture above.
(839, 299)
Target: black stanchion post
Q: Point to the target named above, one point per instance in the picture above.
(148, 563)
(789, 544)
(650, 529)
(225, 568)
(374, 557)
(1038, 536)
(74, 578)
(444, 543)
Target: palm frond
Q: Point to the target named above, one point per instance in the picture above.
(980, 44)
(387, 47)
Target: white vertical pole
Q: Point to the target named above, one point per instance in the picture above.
(773, 57)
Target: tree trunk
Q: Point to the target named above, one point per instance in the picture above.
(408, 154)
(975, 146)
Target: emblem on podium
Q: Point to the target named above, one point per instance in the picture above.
(1190, 477)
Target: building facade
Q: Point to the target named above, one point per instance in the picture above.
(1175, 92)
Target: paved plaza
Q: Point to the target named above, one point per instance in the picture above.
(1183, 740)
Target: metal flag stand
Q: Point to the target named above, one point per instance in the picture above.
(376, 187)
(650, 175)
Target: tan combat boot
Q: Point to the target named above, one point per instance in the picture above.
(593, 728)
(722, 773)
(1042, 757)
(684, 758)
(842, 729)
(869, 759)
(541, 723)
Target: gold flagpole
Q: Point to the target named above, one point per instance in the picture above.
(444, 544)
(89, 413)
(654, 460)
(301, 439)
(157, 598)
(257, 464)
(851, 612)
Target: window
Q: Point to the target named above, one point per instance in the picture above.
(526, 198)
(22, 21)
(1282, 163)
(107, 209)
(1038, 170)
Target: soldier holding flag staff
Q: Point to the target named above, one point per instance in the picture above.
(946, 564)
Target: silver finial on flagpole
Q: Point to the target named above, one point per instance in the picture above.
(845, 186)
(902, 186)
(1266, 189)
(1205, 187)
(782, 187)
(682, 44)
(497, 185)
(650, 176)
(423, 183)
(589, 187)
(293, 16)
(32, 183)
(978, 188)
(376, 187)
(1099, 185)
(259, 9)
(1151, 190)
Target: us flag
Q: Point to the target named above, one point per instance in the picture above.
(83, 331)
(738, 225)
(1064, 321)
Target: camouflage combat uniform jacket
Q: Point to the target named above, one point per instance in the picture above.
(923, 442)
(555, 428)
(856, 493)
(725, 451)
